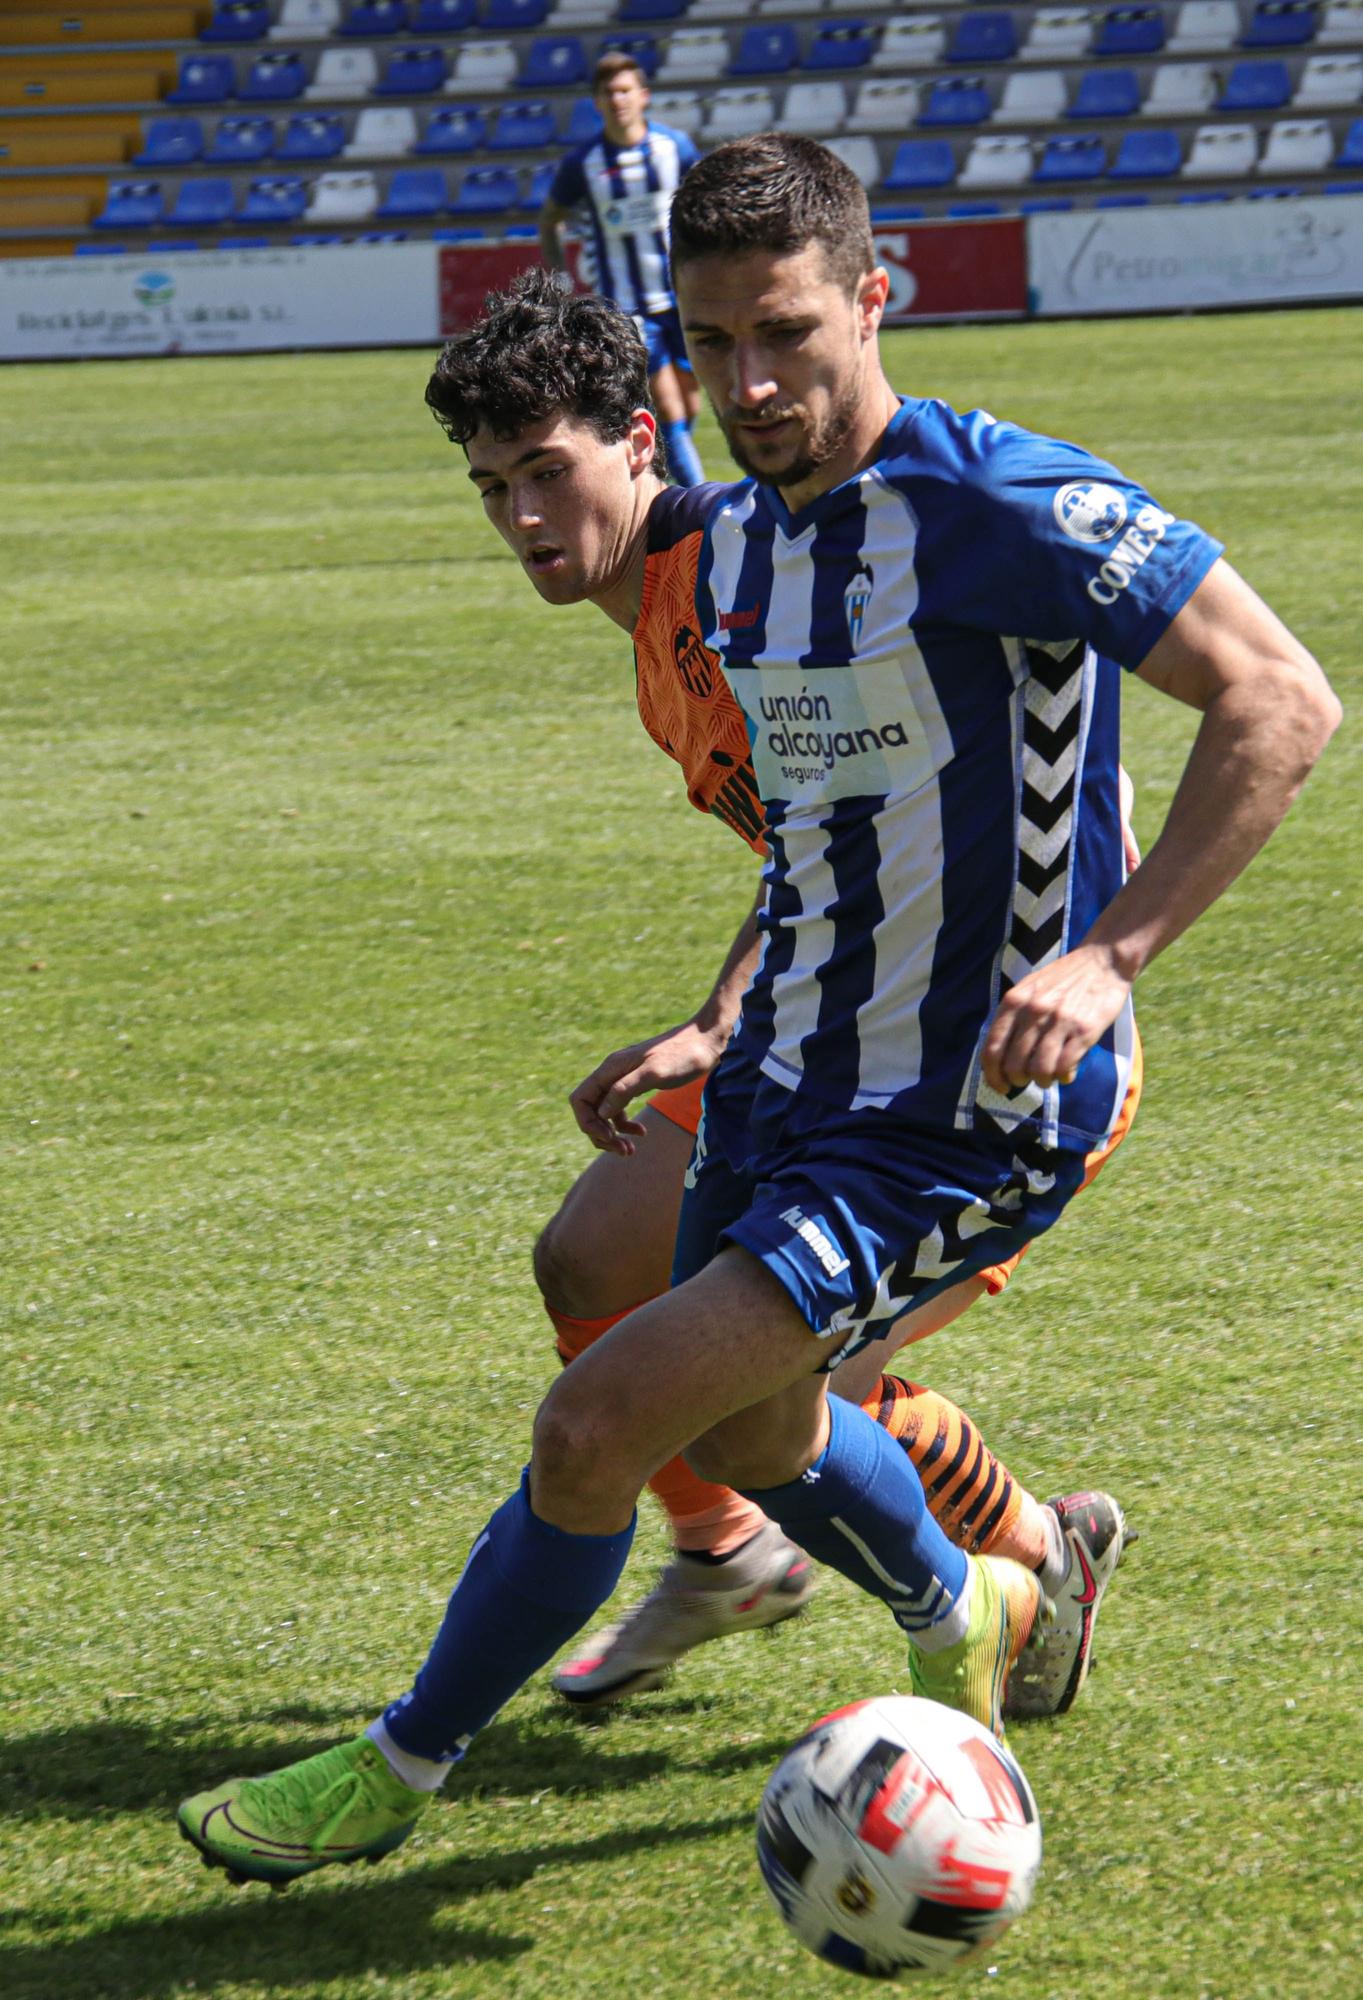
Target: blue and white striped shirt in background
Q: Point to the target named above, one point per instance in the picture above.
(624, 195)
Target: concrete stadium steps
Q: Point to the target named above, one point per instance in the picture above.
(48, 206)
(78, 25)
(74, 141)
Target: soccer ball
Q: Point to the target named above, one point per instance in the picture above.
(898, 1836)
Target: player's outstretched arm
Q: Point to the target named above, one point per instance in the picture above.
(1267, 713)
(601, 1101)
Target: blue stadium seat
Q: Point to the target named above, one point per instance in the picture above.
(237, 21)
(922, 163)
(1350, 153)
(459, 236)
(1147, 156)
(444, 17)
(274, 198)
(641, 49)
(1273, 194)
(1122, 201)
(1071, 160)
(171, 142)
(275, 78)
(553, 59)
(374, 18)
(1197, 197)
(584, 123)
(315, 242)
(651, 10)
(897, 211)
(523, 127)
(312, 135)
(1130, 31)
(412, 72)
(1343, 187)
(1047, 204)
(537, 193)
(766, 51)
(987, 37)
(1106, 93)
(520, 232)
(202, 204)
(1280, 24)
(461, 131)
(844, 46)
(415, 191)
(130, 205)
(101, 249)
(382, 236)
(966, 211)
(486, 191)
(243, 243)
(175, 243)
(241, 142)
(1256, 86)
(506, 16)
(204, 80)
(956, 101)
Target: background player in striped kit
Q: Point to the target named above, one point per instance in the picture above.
(620, 187)
(813, 1218)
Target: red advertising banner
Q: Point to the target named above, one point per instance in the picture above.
(955, 270)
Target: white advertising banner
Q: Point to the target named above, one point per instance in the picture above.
(219, 302)
(1158, 259)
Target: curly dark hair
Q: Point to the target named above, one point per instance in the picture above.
(539, 351)
(775, 191)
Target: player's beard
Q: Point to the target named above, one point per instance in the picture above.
(821, 440)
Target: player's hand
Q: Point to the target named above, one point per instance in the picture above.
(1050, 1020)
(1126, 793)
(601, 1101)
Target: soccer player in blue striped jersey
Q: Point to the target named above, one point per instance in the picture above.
(620, 187)
(924, 618)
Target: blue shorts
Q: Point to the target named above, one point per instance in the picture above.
(662, 335)
(860, 1215)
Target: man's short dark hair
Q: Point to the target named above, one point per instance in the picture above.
(776, 192)
(539, 352)
(614, 63)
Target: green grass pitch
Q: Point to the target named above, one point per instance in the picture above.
(332, 862)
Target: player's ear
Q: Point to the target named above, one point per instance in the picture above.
(872, 293)
(641, 440)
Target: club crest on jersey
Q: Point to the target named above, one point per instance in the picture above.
(1089, 511)
(695, 666)
(856, 601)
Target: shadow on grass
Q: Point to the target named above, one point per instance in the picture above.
(314, 1932)
(116, 1765)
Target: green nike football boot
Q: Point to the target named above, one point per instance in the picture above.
(1007, 1608)
(344, 1805)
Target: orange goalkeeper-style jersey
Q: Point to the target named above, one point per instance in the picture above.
(685, 702)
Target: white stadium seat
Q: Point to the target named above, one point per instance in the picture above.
(911, 41)
(481, 66)
(1329, 80)
(1205, 27)
(694, 55)
(344, 73)
(710, 10)
(788, 8)
(682, 108)
(816, 109)
(1057, 34)
(861, 156)
(886, 104)
(306, 21)
(570, 15)
(1221, 153)
(343, 198)
(1298, 146)
(382, 131)
(1343, 23)
(997, 161)
(1180, 90)
(1031, 97)
(732, 114)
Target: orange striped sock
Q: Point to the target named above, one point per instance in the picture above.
(975, 1498)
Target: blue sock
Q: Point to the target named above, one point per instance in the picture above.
(860, 1509)
(526, 1589)
(682, 457)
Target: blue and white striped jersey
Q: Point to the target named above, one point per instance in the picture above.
(924, 656)
(625, 196)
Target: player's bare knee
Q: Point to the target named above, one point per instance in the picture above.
(564, 1269)
(573, 1441)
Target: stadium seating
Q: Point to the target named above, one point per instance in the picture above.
(512, 16)
(312, 135)
(521, 128)
(922, 163)
(987, 37)
(1297, 146)
(1221, 153)
(860, 155)
(202, 204)
(641, 49)
(412, 72)
(342, 197)
(694, 55)
(306, 20)
(382, 132)
(1112, 94)
(414, 191)
(237, 21)
(486, 191)
(485, 67)
(130, 205)
(1342, 24)
(276, 78)
(240, 142)
(344, 73)
(1059, 34)
(443, 17)
(1146, 155)
(584, 121)
(274, 198)
(733, 113)
(1000, 160)
(1180, 90)
(1256, 86)
(1031, 97)
(1130, 31)
(554, 59)
(462, 131)
(841, 45)
(971, 211)
(1072, 159)
(816, 109)
(766, 51)
(884, 104)
(1205, 27)
(1329, 80)
(171, 142)
(1350, 153)
(957, 101)
(911, 42)
(376, 18)
(680, 108)
(204, 80)
(537, 189)
(1280, 24)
